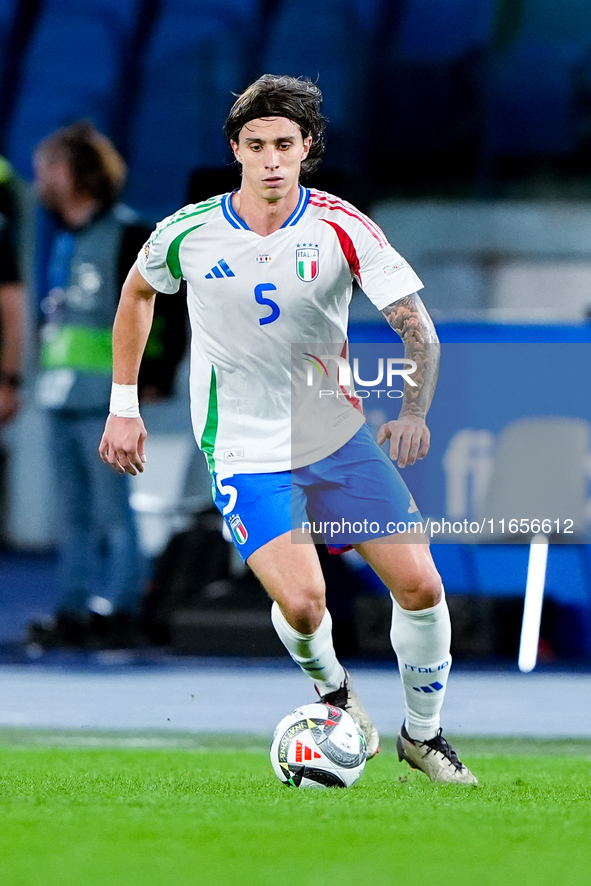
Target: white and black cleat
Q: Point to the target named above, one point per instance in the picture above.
(435, 757)
(346, 698)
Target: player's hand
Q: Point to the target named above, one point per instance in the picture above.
(409, 437)
(122, 444)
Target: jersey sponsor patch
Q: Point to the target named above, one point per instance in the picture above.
(307, 263)
(390, 269)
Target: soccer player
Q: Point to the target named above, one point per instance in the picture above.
(269, 266)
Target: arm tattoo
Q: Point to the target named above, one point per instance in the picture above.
(409, 318)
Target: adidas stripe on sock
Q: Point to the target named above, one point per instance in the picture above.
(421, 640)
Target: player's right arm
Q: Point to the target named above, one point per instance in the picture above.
(408, 434)
(122, 444)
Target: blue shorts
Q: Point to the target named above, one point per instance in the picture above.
(354, 495)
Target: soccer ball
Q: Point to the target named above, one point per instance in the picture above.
(320, 746)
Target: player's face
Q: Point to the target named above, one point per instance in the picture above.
(53, 182)
(271, 151)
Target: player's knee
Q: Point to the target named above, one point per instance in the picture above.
(304, 609)
(420, 591)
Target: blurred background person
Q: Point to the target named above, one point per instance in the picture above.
(11, 301)
(11, 321)
(86, 243)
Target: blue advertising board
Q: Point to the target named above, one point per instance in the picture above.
(491, 378)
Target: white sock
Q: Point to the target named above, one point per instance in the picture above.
(314, 653)
(421, 640)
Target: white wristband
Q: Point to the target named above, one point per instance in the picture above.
(124, 401)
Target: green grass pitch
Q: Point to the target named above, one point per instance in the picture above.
(152, 810)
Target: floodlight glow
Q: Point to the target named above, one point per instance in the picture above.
(532, 606)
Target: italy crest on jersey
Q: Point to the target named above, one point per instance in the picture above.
(238, 529)
(307, 263)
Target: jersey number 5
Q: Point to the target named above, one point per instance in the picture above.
(227, 489)
(260, 298)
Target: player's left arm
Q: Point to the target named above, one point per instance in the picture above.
(409, 435)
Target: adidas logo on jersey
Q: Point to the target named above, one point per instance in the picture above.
(222, 269)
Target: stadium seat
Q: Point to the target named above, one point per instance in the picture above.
(558, 20)
(192, 66)
(335, 59)
(72, 69)
(539, 473)
(368, 14)
(429, 68)
(531, 88)
(530, 104)
(8, 9)
(435, 31)
(17, 22)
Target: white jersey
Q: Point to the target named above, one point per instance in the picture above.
(250, 299)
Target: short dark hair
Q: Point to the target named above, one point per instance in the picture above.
(299, 100)
(97, 167)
